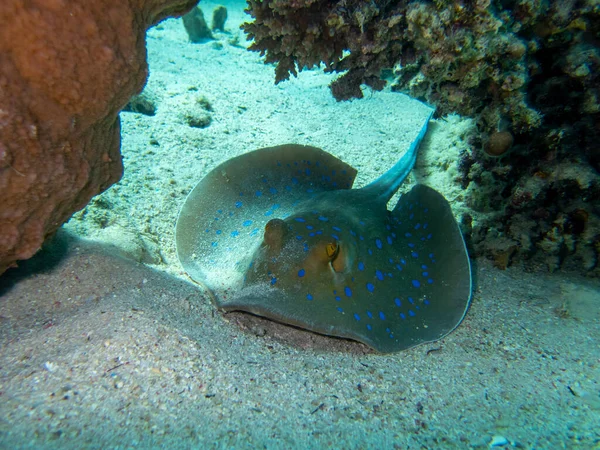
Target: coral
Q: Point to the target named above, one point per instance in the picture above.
(196, 26)
(218, 18)
(66, 69)
(354, 36)
(527, 71)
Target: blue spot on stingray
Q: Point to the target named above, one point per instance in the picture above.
(273, 190)
(275, 206)
(378, 243)
(430, 281)
(398, 266)
(414, 254)
(411, 313)
(369, 327)
(389, 240)
(258, 193)
(241, 194)
(235, 233)
(335, 236)
(254, 232)
(218, 231)
(370, 287)
(336, 228)
(309, 227)
(361, 266)
(309, 297)
(369, 251)
(294, 180)
(379, 275)
(416, 283)
(425, 225)
(299, 219)
(356, 316)
(301, 273)
(425, 274)
(411, 300)
(403, 261)
(238, 204)
(381, 315)
(307, 171)
(402, 315)
(411, 217)
(268, 213)
(338, 298)
(407, 235)
(429, 236)
(411, 245)
(312, 234)
(323, 219)
(426, 301)
(214, 244)
(361, 222)
(348, 291)
(247, 223)
(273, 281)
(320, 232)
(417, 226)
(299, 238)
(397, 302)
(370, 314)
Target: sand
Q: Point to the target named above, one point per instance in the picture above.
(105, 343)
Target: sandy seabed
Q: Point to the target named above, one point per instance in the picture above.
(106, 344)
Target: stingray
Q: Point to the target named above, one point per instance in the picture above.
(280, 233)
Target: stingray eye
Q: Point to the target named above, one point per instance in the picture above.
(332, 250)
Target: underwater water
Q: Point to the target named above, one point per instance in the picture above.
(107, 343)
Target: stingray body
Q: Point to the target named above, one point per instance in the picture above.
(279, 232)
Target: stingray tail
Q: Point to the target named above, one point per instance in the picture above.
(384, 187)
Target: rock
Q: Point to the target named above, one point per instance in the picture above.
(196, 26)
(66, 70)
(143, 103)
(219, 17)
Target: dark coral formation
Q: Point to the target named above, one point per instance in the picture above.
(298, 34)
(527, 71)
(66, 69)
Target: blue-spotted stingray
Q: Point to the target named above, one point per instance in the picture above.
(278, 232)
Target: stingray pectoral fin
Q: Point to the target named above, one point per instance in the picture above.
(221, 221)
(436, 247)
